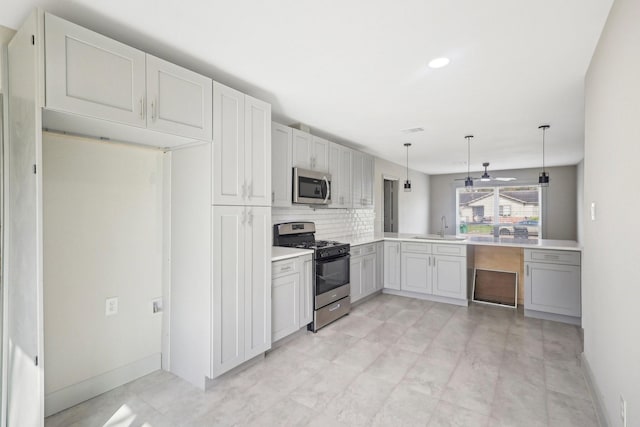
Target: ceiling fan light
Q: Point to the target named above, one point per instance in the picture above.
(543, 179)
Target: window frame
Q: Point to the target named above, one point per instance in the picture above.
(496, 205)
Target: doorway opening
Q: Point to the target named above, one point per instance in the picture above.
(390, 196)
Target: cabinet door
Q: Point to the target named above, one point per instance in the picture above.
(320, 153)
(450, 276)
(379, 265)
(416, 272)
(92, 75)
(229, 185)
(368, 164)
(257, 281)
(302, 152)
(369, 274)
(355, 278)
(345, 178)
(179, 101)
(552, 288)
(228, 290)
(306, 292)
(285, 308)
(281, 175)
(356, 179)
(257, 134)
(24, 327)
(392, 265)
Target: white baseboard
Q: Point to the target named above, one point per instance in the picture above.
(436, 298)
(554, 317)
(72, 395)
(596, 396)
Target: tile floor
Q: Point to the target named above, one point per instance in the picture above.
(392, 362)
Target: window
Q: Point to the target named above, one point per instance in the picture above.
(510, 212)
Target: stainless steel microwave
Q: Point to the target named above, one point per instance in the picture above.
(311, 187)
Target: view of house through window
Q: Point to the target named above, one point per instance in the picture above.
(499, 211)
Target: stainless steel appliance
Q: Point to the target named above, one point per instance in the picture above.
(331, 270)
(311, 187)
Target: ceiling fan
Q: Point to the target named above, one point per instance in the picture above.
(486, 177)
(468, 181)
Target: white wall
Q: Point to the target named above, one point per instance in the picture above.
(610, 282)
(413, 206)
(558, 200)
(102, 238)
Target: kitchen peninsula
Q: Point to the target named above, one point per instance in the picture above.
(438, 268)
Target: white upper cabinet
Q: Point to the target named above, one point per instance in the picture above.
(178, 100)
(340, 170)
(229, 184)
(320, 154)
(281, 175)
(257, 140)
(310, 152)
(362, 173)
(93, 75)
(241, 149)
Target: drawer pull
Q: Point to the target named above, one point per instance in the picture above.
(551, 256)
(287, 268)
(335, 308)
(334, 295)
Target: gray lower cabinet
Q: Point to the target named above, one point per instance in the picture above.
(291, 296)
(364, 271)
(432, 269)
(552, 282)
(392, 265)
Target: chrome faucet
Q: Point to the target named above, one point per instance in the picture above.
(443, 226)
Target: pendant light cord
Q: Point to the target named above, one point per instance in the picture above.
(544, 131)
(407, 163)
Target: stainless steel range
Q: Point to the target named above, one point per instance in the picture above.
(331, 268)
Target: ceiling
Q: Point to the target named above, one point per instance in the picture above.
(355, 71)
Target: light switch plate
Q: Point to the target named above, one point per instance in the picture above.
(156, 305)
(111, 306)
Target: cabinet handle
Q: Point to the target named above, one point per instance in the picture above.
(153, 110)
(287, 268)
(249, 191)
(429, 258)
(273, 196)
(527, 269)
(142, 108)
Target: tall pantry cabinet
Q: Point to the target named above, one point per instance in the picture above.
(224, 298)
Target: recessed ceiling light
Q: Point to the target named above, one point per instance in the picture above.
(439, 62)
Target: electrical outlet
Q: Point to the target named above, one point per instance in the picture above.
(111, 306)
(623, 411)
(156, 305)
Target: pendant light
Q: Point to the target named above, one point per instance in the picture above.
(468, 182)
(407, 183)
(543, 179)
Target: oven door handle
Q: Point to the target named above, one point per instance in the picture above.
(335, 258)
(328, 189)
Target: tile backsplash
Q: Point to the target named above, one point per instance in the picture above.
(331, 224)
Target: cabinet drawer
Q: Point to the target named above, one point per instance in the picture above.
(422, 248)
(284, 267)
(455, 250)
(552, 257)
(356, 251)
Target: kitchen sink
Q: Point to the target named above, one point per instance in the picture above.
(439, 237)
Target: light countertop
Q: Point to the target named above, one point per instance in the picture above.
(563, 245)
(278, 253)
